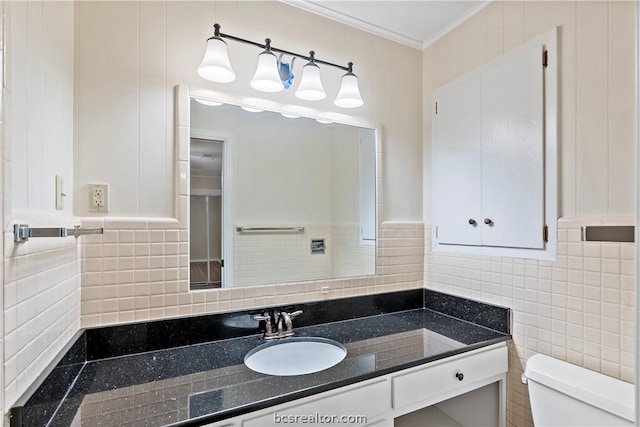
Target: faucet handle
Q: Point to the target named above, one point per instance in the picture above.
(266, 317)
(295, 314)
(268, 329)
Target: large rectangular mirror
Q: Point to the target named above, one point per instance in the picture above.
(276, 198)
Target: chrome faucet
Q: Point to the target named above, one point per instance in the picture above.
(283, 327)
(285, 324)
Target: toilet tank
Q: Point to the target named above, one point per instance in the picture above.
(563, 394)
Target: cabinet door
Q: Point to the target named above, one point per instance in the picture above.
(456, 151)
(355, 406)
(513, 151)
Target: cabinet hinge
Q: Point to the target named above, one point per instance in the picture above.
(545, 233)
(222, 263)
(436, 108)
(545, 58)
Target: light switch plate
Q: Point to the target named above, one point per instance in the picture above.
(98, 198)
(59, 193)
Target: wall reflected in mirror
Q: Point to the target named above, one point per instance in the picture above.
(205, 231)
(276, 199)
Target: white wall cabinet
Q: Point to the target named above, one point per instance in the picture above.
(494, 156)
(476, 378)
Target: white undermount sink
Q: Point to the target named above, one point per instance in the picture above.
(295, 356)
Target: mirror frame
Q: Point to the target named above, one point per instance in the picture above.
(182, 141)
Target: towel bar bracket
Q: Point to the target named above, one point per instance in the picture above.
(22, 232)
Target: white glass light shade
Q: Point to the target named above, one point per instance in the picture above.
(310, 87)
(251, 109)
(324, 121)
(349, 94)
(290, 116)
(267, 78)
(215, 65)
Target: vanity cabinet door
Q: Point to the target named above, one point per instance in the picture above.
(456, 164)
(361, 404)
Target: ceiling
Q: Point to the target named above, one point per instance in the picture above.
(416, 23)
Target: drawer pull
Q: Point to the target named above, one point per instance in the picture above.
(459, 376)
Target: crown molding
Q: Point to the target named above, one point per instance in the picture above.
(354, 22)
(453, 24)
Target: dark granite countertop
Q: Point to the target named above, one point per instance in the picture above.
(202, 383)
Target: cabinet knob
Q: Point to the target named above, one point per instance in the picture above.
(488, 221)
(459, 376)
(472, 222)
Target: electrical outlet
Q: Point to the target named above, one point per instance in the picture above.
(59, 193)
(98, 198)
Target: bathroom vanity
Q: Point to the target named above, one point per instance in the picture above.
(413, 358)
(420, 396)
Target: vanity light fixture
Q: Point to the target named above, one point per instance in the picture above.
(272, 75)
(324, 121)
(290, 116)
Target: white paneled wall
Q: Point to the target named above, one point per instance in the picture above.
(40, 102)
(3, 47)
(580, 307)
(125, 121)
(596, 95)
(41, 279)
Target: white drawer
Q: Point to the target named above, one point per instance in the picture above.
(370, 400)
(435, 382)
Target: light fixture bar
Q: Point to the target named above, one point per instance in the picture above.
(217, 33)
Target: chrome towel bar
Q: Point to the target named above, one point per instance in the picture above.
(260, 229)
(22, 232)
(608, 233)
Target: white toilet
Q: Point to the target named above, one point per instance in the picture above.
(565, 395)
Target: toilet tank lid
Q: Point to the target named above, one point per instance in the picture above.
(604, 392)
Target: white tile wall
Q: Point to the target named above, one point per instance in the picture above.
(138, 271)
(349, 257)
(579, 308)
(263, 258)
(41, 307)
